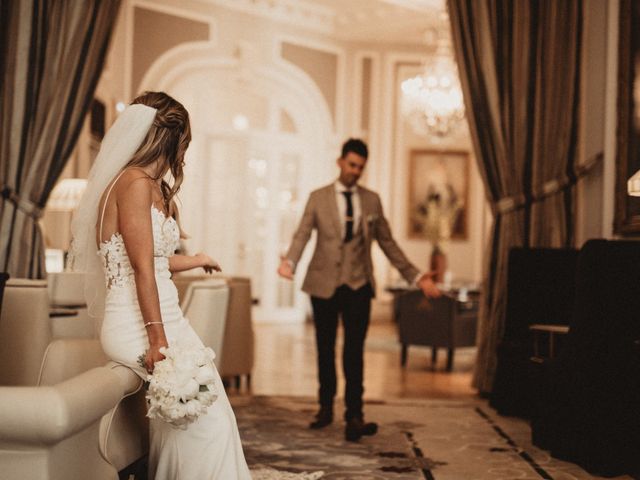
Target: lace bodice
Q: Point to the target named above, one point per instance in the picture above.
(112, 252)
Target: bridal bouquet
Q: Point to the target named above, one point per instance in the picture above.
(181, 387)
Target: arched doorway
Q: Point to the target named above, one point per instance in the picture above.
(261, 138)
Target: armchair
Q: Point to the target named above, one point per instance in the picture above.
(540, 290)
(237, 360)
(438, 322)
(66, 295)
(205, 304)
(235, 357)
(57, 430)
(25, 331)
(588, 408)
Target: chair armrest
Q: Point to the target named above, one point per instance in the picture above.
(129, 380)
(123, 433)
(549, 328)
(37, 415)
(552, 330)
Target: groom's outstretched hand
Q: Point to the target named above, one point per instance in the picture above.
(428, 286)
(285, 270)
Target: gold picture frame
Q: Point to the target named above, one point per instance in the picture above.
(627, 209)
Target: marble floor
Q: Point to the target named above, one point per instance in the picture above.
(285, 364)
(421, 407)
(439, 439)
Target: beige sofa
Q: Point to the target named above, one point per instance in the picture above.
(65, 413)
(78, 422)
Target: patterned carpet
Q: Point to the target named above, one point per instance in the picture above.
(417, 439)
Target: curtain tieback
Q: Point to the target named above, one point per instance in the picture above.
(551, 187)
(26, 206)
(511, 204)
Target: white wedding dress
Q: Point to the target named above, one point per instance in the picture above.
(210, 448)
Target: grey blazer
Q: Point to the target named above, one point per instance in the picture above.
(321, 213)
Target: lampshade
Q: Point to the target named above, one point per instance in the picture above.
(633, 185)
(56, 222)
(66, 194)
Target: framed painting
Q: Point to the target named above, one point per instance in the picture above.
(627, 208)
(438, 195)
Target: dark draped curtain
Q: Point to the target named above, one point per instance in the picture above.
(51, 58)
(519, 64)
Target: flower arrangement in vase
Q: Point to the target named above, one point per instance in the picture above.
(435, 218)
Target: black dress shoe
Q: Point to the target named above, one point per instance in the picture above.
(323, 418)
(356, 428)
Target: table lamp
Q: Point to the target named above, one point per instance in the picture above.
(633, 185)
(63, 201)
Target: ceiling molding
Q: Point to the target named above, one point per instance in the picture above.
(294, 12)
(419, 5)
(377, 21)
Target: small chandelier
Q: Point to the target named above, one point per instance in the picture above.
(432, 101)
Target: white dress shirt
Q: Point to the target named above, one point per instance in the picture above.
(342, 206)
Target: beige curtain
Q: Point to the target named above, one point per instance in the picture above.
(519, 67)
(51, 57)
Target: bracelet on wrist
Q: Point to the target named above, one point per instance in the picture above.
(152, 323)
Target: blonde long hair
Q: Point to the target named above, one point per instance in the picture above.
(168, 138)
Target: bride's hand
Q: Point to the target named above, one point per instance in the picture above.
(153, 355)
(207, 263)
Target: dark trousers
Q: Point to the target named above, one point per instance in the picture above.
(354, 306)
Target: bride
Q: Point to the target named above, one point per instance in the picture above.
(126, 215)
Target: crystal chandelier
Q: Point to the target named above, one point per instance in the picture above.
(432, 101)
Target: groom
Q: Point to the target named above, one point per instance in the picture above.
(340, 279)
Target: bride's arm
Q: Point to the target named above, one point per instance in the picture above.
(134, 221)
(180, 263)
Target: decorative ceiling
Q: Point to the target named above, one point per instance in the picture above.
(388, 21)
(378, 21)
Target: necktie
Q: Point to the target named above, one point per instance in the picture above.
(348, 231)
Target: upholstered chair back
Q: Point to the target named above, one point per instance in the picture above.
(205, 305)
(235, 357)
(238, 338)
(25, 331)
(540, 290)
(66, 289)
(67, 357)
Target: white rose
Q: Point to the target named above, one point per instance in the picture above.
(184, 364)
(188, 389)
(193, 407)
(205, 375)
(208, 355)
(207, 398)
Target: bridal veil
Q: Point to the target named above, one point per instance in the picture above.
(118, 146)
